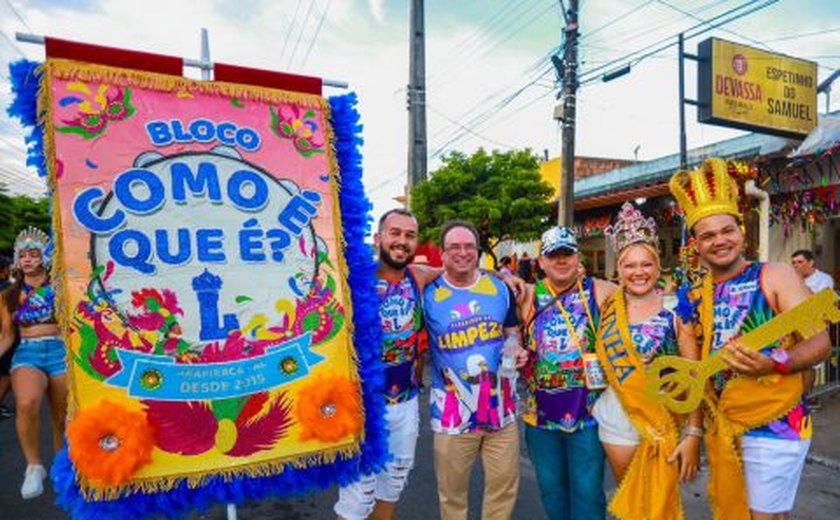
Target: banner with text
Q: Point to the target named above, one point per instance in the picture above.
(203, 283)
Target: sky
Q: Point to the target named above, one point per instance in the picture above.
(489, 79)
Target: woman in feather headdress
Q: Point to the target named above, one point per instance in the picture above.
(27, 309)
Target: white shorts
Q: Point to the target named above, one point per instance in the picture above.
(772, 468)
(357, 500)
(614, 426)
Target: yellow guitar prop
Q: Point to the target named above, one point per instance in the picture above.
(678, 383)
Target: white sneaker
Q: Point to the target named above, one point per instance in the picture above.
(33, 482)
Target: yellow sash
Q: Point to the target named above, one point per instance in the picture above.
(745, 403)
(650, 488)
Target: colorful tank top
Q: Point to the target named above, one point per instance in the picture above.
(656, 336)
(558, 399)
(741, 306)
(401, 316)
(37, 306)
(466, 336)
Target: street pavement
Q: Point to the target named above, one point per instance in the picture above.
(818, 499)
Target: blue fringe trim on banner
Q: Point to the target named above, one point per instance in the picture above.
(355, 212)
(355, 215)
(26, 79)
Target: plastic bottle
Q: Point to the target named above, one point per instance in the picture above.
(508, 368)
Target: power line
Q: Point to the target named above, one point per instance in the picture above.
(669, 39)
(515, 31)
(476, 122)
(498, 103)
(317, 32)
(540, 62)
(618, 18)
(470, 131)
(482, 118)
(496, 96)
(739, 35)
(539, 72)
(462, 48)
(538, 66)
(804, 35)
(19, 17)
(488, 44)
(19, 175)
(382, 184)
(697, 18)
(12, 44)
(19, 179)
(289, 32)
(652, 27)
(637, 56)
(300, 34)
(490, 49)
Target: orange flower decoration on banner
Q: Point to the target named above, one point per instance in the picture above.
(329, 408)
(108, 443)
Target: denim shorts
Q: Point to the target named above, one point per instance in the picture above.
(46, 354)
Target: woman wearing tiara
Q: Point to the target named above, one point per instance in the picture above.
(27, 308)
(640, 437)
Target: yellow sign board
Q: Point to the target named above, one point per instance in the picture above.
(748, 88)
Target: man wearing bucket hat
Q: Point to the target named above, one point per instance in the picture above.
(561, 316)
(758, 429)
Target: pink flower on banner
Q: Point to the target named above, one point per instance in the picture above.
(95, 109)
(289, 122)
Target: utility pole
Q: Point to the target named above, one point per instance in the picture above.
(683, 101)
(566, 194)
(417, 149)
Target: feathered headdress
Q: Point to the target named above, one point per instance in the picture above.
(631, 227)
(33, 238)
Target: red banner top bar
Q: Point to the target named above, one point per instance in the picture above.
(114, 57)
(173, 66)
(267, 78)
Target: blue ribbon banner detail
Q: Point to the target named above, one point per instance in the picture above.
(148, 376)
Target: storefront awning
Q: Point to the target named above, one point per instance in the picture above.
(611, 199)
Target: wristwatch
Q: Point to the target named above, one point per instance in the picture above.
(781, 361)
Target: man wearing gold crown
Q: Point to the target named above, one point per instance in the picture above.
(755, 412)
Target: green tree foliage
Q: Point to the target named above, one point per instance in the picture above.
(501, 193)
(17, 212)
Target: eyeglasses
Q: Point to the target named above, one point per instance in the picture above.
(466, 248)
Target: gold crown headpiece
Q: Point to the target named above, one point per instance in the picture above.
(708, 190)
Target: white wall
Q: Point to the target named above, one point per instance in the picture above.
(782, 247)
